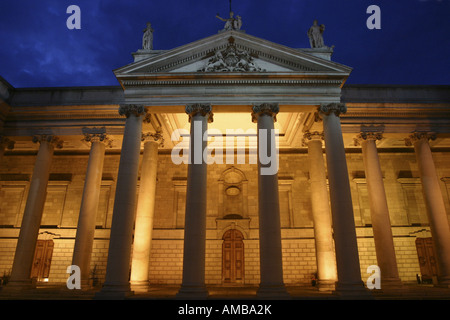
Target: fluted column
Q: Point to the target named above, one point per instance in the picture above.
(271, 266)
(31, 221)
(347, 259)
(145, 211)
(381, 224)
(323, 232)
(193, 283)
(434, 202)
(117, 284)
(89, 205)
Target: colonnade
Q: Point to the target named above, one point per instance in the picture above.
(334, 227)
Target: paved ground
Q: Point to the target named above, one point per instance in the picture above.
(408, 292)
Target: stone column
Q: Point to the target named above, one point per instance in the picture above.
(31, 221)
(434, 202)
(145, 211)
(323, 232)
(5, 143)
(117, 284)
(84, 239)
(347, 259)
(193, 283)
(271, 266)
(381, 224)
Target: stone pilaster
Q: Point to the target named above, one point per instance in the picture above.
(381, 224)
(117, 283)
(271, 266)
(347, 260)
(145, 211)
(193, 282)
(434, 202)
(29, 230)
(323, 233)
(89, 204)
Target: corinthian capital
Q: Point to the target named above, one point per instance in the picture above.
(416, 136)
(312, 136)
(54, 140)
(6, 143)
(154, 136)
(204, 109)
(129, 109)
(270, 109)
(335, 108)
(363, 136)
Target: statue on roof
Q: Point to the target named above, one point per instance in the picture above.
(231, 23)
(147, 38)
(315, 35)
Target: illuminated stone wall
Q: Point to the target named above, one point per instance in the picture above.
(61, 210)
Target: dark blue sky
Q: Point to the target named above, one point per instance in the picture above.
(37, 49)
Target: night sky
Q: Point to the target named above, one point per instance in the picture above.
(38, 50)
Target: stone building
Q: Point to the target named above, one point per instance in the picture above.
(99, 177)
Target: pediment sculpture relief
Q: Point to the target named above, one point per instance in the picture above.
(231, 60)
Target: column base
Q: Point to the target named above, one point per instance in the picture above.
(326, 285)
(19, 285)
(192, 292)
(443, 282)
(139, 286)
(352, 291)
(275, 292)
(114, 292)
(390, 285)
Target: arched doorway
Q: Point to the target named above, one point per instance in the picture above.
(233, 257)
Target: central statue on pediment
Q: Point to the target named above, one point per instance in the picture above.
(231, 23)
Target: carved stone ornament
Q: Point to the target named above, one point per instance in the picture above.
(96, 135)
(56, 141)
(416, 136)
(367, 136)
(231, 60)
(336, 108)
(129, 109)
(312, 136)
(6, 143)
(199, 108)
(154, 136)
(270, 109)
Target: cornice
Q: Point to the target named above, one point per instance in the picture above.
(215, 82)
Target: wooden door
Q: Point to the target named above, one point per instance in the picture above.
(427, 260)
(42, 259)
(233, 257)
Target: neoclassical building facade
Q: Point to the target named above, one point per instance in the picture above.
(229, 161)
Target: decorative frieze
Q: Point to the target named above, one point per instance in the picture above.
(270, 109)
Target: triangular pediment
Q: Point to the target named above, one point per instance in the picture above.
(231, 52)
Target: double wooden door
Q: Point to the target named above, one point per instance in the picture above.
(233, 257)
(427, 259)
(42, 259)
